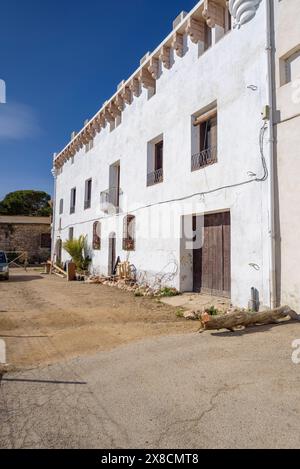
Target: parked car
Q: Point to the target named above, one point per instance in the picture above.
(4, 268)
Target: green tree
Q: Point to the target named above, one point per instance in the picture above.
(28, 203)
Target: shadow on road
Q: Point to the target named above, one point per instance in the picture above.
(42, 381)
(23, 278)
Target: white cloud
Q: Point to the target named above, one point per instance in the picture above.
(17, 121)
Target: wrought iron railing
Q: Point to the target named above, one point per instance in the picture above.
(155, 177)
(204, 158)
(110, 197)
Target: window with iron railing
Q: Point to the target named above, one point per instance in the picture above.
(110, 198)
(155, 162)
(207, 136)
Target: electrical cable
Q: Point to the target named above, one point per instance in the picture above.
(197, 194)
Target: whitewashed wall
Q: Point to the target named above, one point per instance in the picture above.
(222, 73)
(288, 161)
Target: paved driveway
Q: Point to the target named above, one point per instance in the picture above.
(186, 391)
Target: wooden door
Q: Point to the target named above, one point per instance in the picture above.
(212, 270)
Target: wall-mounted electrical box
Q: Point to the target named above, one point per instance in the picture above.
(265, 113)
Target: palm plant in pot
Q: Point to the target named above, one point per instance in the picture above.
(77, 249)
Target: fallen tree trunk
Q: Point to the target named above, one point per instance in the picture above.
(247, 319)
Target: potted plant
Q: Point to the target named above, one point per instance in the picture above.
(77, 249)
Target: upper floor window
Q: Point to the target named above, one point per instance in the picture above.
(61, 206)
(73, 200)
(155, 173)
(290, 67)
(88, 194)
(129, 233)
(97, 236)
(71, 233)
(205, 139)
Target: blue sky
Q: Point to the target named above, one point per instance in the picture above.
(60, 61)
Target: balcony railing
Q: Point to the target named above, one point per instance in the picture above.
(204, 158)
(110, 199)
(156, 177)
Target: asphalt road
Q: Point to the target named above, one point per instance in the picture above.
(220, 390)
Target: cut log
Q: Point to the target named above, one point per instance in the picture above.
(247, 319)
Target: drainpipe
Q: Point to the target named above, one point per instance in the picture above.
(53, 210)
(270, 48)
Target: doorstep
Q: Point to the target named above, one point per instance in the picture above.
(197, 301)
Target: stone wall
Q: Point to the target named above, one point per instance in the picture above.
(24, 237)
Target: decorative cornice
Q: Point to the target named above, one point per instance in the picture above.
(193, 25)
(154, 67)
(146, 78)
(214, 14)
(177, 44)
(165, 57)
(134, 86)
(196, 30)
(126, 94)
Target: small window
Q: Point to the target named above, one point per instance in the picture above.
(61, 206)
(73, 200)
(71, 233)
(46, 240)
(155, 173)
(59, 225)
(129, 233)
(88, 194)
(290, 68)
(206, 139)
(97, 236)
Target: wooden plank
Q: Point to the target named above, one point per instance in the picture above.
(61, 271)
(59, 275)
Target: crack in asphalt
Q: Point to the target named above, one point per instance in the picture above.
(195, 421)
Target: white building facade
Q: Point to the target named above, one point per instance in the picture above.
(173, 173)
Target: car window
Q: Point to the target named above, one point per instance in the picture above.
(3, 259)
